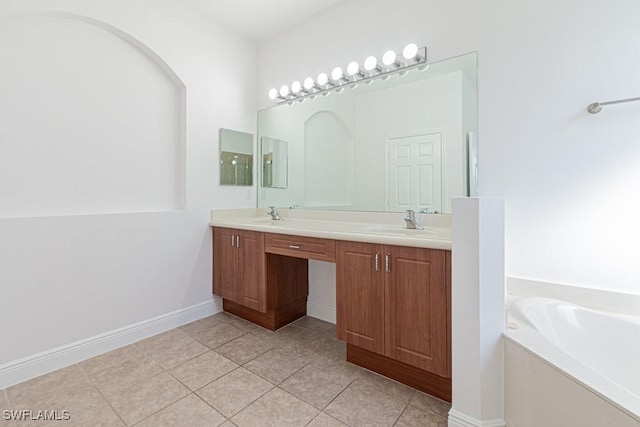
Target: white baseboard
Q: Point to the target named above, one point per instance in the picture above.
(322, 312)
(35, 365)
(458, 419)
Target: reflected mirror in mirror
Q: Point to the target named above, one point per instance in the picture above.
(274, 162)
(236, 158)
(403, 143)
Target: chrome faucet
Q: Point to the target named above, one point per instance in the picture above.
(275, 216)
(410, 219)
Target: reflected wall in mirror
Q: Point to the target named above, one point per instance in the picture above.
(395, 144)
(236, 158)
(274, 162)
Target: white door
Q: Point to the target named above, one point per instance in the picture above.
(414, 172)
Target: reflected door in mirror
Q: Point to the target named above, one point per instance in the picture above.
(414, 169)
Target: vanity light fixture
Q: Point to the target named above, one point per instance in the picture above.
(296, 88)
(411, 51)
(353, 70)
(372, 68)
(309, 84)
(338, 76)
(273, 93)
(390, 58)
(324, 80)
(371, 64)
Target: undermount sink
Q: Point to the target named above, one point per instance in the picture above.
(397, 229)
(262, 221)
(293, 223)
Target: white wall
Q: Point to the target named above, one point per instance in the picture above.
(403, 111)
(569, 178)
(61, 153)
(69, 277)
(288, 124)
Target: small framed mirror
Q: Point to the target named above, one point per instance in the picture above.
(274, 163)
(236, 158)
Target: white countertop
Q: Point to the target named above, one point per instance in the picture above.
(369, 227)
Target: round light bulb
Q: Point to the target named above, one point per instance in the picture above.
(284, 90)
(273, 93)
(370, 63)
(389, 57)
(337, 73)
(296, 87)
(353, 68)
(309, 83)
(323, 79)
(410, 51)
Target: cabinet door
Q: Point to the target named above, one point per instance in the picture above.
(416, 308)
(225, 263)
(252, 282)
(360, 295)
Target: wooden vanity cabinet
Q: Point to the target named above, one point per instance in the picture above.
(360, 295)
(416, 308)
(393, 310)
(239, 267)
(265, 288)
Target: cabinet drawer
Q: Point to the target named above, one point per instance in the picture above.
(301, 247)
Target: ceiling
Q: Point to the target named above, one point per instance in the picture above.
(260, 19)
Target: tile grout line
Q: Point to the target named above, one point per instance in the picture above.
(338, 395)
(406, 405)
(211, 406)
(100, 393)
(13, 423)
(164, 370)
(244, 407)
(162, 409)
(278, 343)
(268, 380)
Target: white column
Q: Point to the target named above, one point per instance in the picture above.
(478, 312)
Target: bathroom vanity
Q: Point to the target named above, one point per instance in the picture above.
(393, 286)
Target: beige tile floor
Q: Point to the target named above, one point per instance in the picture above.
(222, 370)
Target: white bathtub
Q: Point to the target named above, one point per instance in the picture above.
(584, 362)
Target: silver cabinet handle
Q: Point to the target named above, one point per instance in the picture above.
(233, 240)
(295, 246)
(377, 262)
(237, 240)
(387, 263)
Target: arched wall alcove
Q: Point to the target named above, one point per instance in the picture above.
(329, 177)
(91, 120)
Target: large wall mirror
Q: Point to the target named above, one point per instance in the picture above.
(236, 158)
(407, 142)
